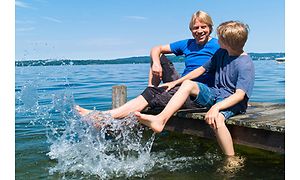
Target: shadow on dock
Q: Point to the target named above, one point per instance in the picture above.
(263, 126)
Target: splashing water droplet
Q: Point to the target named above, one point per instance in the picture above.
(29, 95)
(114, 148)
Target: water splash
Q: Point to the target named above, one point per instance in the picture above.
(29, 96)
(115, 148)
(119, 148)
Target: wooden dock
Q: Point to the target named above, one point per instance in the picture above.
(263, 126)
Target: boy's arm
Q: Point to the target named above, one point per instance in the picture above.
(212, 114)
(191, 75)
(156, 69)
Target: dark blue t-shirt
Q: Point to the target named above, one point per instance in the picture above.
(195, 56)
(231, 73)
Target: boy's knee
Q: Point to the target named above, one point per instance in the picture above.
(220, 122)
(188, 83)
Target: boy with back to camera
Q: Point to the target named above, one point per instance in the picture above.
(234, 80)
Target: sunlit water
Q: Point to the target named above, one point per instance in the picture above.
(53, 142)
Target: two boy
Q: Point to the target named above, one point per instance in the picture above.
(229, 95)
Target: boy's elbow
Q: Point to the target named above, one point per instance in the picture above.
(240, 94)
(156, 49)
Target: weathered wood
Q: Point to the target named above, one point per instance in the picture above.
(119, 96)
(263, 125)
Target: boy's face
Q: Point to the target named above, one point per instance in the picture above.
(200, 32)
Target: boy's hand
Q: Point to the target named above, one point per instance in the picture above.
(168, 85)
(157, 70)
(211, 117)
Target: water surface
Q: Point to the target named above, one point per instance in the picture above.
(53, 143)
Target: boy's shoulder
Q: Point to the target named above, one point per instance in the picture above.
(182, 43)
(220, 53)
(246, 57)
(213, 44)
(246, 60)
(213, 41)
(222, 57)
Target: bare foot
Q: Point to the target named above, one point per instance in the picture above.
(82, 111)
(154, 122)
(95, 118)
(232, 165)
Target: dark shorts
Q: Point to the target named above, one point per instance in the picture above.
(207, 98)
(157, 97)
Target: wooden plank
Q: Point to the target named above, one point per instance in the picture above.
(263, 126)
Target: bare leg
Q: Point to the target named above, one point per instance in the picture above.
(82, 111)
(223, 136)
(157, 123)
(136, 104)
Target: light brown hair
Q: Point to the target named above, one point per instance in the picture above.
(233, 33)
(203, 17)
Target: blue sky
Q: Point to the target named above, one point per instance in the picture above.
(99, 29)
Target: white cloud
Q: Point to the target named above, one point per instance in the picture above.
(105, 42)
(52, 19)
(41, 1)
(136, 17)
(25, 29)
(22, 4)
(25, 22)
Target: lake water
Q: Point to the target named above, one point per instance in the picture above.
(53, 143)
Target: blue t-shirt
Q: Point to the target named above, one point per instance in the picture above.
(231, 73)
(195, 56)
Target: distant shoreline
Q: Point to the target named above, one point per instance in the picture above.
(129, 60)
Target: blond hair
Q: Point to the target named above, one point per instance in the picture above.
(204, 18)
(233, 33)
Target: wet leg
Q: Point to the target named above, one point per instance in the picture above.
(82, 111)
(223, 136)
(136, 104)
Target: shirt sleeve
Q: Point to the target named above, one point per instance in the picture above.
(210, 65)
(178, 47)
(246, 76)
